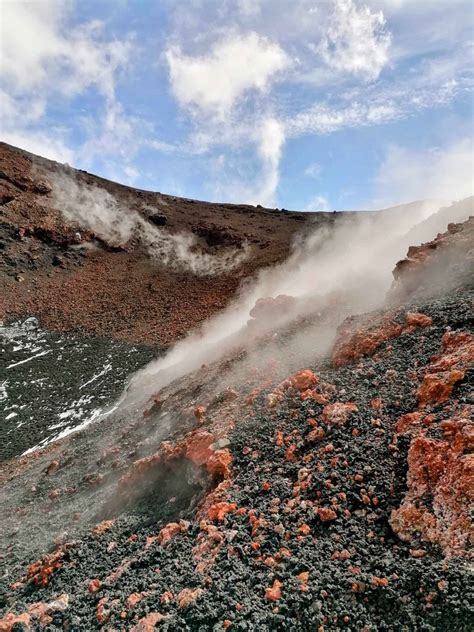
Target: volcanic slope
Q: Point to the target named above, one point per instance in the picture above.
(69, 259)
(75, 279)
(329, 497)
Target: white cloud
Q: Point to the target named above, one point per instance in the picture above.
(439, 173)
(272, 139)
(313, 170)
(322, 119)
(235, 179)
(40, 51)
(317, 203)
(21, 127)
(356, 40)
(237, 64)
(41, 143)
(45, 59)
(249, 7)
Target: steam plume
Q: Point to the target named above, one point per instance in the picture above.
(95, 209)
(345, 269)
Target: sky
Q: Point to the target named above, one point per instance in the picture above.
(296, 104)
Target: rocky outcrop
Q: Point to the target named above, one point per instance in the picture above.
(357, 337)
(437, 266)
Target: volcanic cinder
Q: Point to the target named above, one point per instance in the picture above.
(311, 470)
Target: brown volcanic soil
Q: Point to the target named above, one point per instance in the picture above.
(98, 290)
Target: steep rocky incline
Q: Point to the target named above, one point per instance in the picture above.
(333, 496)
(74, 279)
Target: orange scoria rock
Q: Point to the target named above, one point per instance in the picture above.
(148, 623)
(133, 599)
(168, 532)
(274, 593)
(198, 447)
(218, 464)
(188, 596)
(10, 620)
(219, 510)
(338, 413)
(446, 369)
(303, 380)
(102, 527)
(353, 342)
(440, 490)
(40, 572)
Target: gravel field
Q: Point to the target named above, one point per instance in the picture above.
(299, 537)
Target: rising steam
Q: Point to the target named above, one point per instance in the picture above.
(341, 270)
(95, 209)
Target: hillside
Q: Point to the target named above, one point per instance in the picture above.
(303, 461)
(67, 260)
(95, 285)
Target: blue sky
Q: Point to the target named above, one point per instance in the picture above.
(299, 104)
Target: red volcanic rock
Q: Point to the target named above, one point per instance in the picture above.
(299, 382)
(94, 585)
(119, 571)
(415, 319)
(166, 597)
(315, 396)
(218, 464)
(219, 510)
(437, 388)
(290, 453)
(43, 611)
(209, 543)
(102, 527)
(316, 435)
(40, 572)
(133, 599)
(379, 581)
(440, 475)
(409, 421)
(354, 342)
(148, 623)
(338, 413)
(188, 596)
(448, 368)
(168, 532)
(304, 380)
(10, 620)
(326, 514)
(198, 447)
(304, 529)
(102, 613)
(455, 339)
(303, 579)
(274, 593)
(435, 265)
